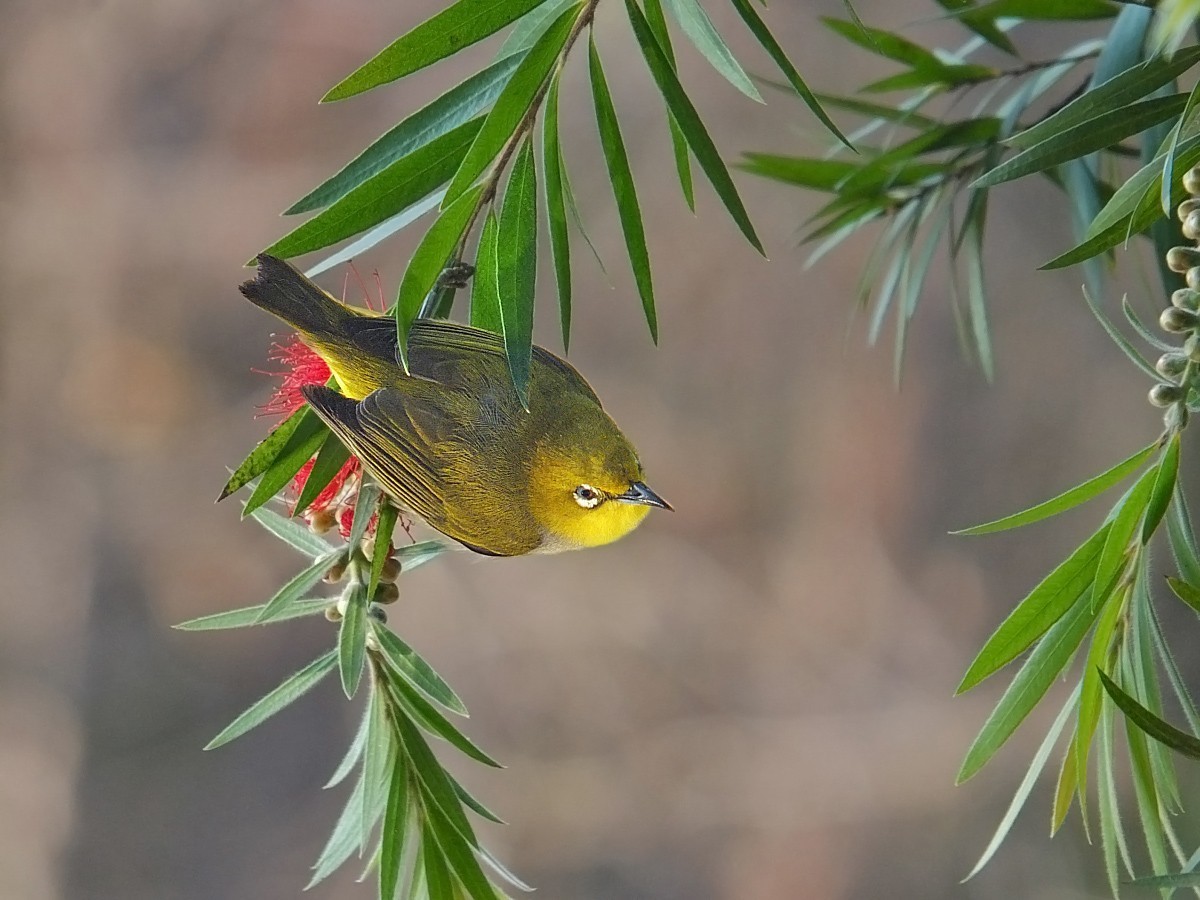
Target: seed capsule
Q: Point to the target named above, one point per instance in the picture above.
(1191, 180)
(1191, 226)
(1177, 321)
(1171, 365)
(332, 613)
(335, 573)
(1180, 259)
(1163, 395)
(1186, 298)
(1187, 207)
(391, 569)
(1193, 278)
(387, 592)
(379, 616)
(1176, 417)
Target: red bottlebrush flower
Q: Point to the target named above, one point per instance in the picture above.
(334, 505)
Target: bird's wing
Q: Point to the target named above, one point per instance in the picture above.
(392, 442)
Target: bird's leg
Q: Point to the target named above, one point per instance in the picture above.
(455, 275)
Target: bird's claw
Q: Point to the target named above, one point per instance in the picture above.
(456, 275)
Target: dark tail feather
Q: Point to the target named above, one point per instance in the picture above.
(284, 292)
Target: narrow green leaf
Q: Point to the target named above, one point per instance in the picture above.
(685, 115)
(1045, 605)
(428, 261)
(420, 553)
(428, 716)
(1164, 487)
(1168, 882)
(280, 605)
(1116, 93)
(395, 825)
(459, 25)
(465, 796)
(500, 869)
(531, 26)
(241, 618)
(683, 166)
(1162, 731)
(291, 689)
(819, 174)
(1117, 338)
(437, 871)
(1046, 661)
(940, 78)
(385, 526)
(343, 841)
(292, 533)
(556, 209)
(461, 857)
(1036, 765)
(1103, 131)
(1112, 831)
(353, 753)
(378, 751)
(516, 267)
(296, 451)
(485, 292)
(405, 182)
(700, 31)
(899, 115)
(1126, 518)
(409, 665)
(352, 636)
(1048, 9)
(982, 24)
(763, 35)
(432, 777)
(1168, 170)
(1188, 593)
(364, 509)
(621, 176)
(1068, 499)
(330, 459)
(514, 103)
(261, 457)
(976, 308)
(460, 104)
(1183, 537)
(884, 43)
(1065, 790)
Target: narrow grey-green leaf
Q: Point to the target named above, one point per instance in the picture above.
(689, 123)
(385, 526)
(1117, 92)
(556, 210)
(514, 103)
(1168, 171)
(296, 451)
(364, 509)
(409, 665)
(1164, 487)
(472, 803)
(1126, 519)
(330, 459)
(1103, 131)
(531, 26)
(292, 533)
(460, 104)
(1025, 788)
(461, 857)
(619, 173)
(683, 166)
(265, 453)
(1045, 605)
(1183, 537)
(1081, 493)
(763, 35)
(343, 840)
(291, 689)
(516, 266)
(458, 26)
(353, 753)
(279, 606)
(248, 615)
(352, 636)
(420, 553)
(1044, 664)
(378, 234)
(428, 261)
(405, 182)
(395, 825)
(1162, 731)
(429, 717)
(700, 31)
(485, 292)
(377, 755)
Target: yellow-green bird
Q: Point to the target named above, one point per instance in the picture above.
(450, 441)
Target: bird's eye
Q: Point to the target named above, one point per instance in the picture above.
(587, 496)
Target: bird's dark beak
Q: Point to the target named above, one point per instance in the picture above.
(639, 493)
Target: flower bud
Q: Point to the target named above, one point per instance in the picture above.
(1177, 321)
(1180, 259)
(1187, 207)
(332, 613)
(1186, 298)
(1176, 417)
(1191, 180)
(1171, 365)
(387, 592)
(391, 569)
(1163, 395)
(321, 521)
(1193, 278)
(379, 616)
(1191, 226)
(336, 571)
(1191, 348)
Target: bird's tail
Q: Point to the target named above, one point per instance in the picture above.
(284, 292)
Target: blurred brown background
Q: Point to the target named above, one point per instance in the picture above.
(749, 699)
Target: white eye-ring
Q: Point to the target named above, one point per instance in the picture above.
(587, 496)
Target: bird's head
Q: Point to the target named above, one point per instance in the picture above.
(586, 485)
